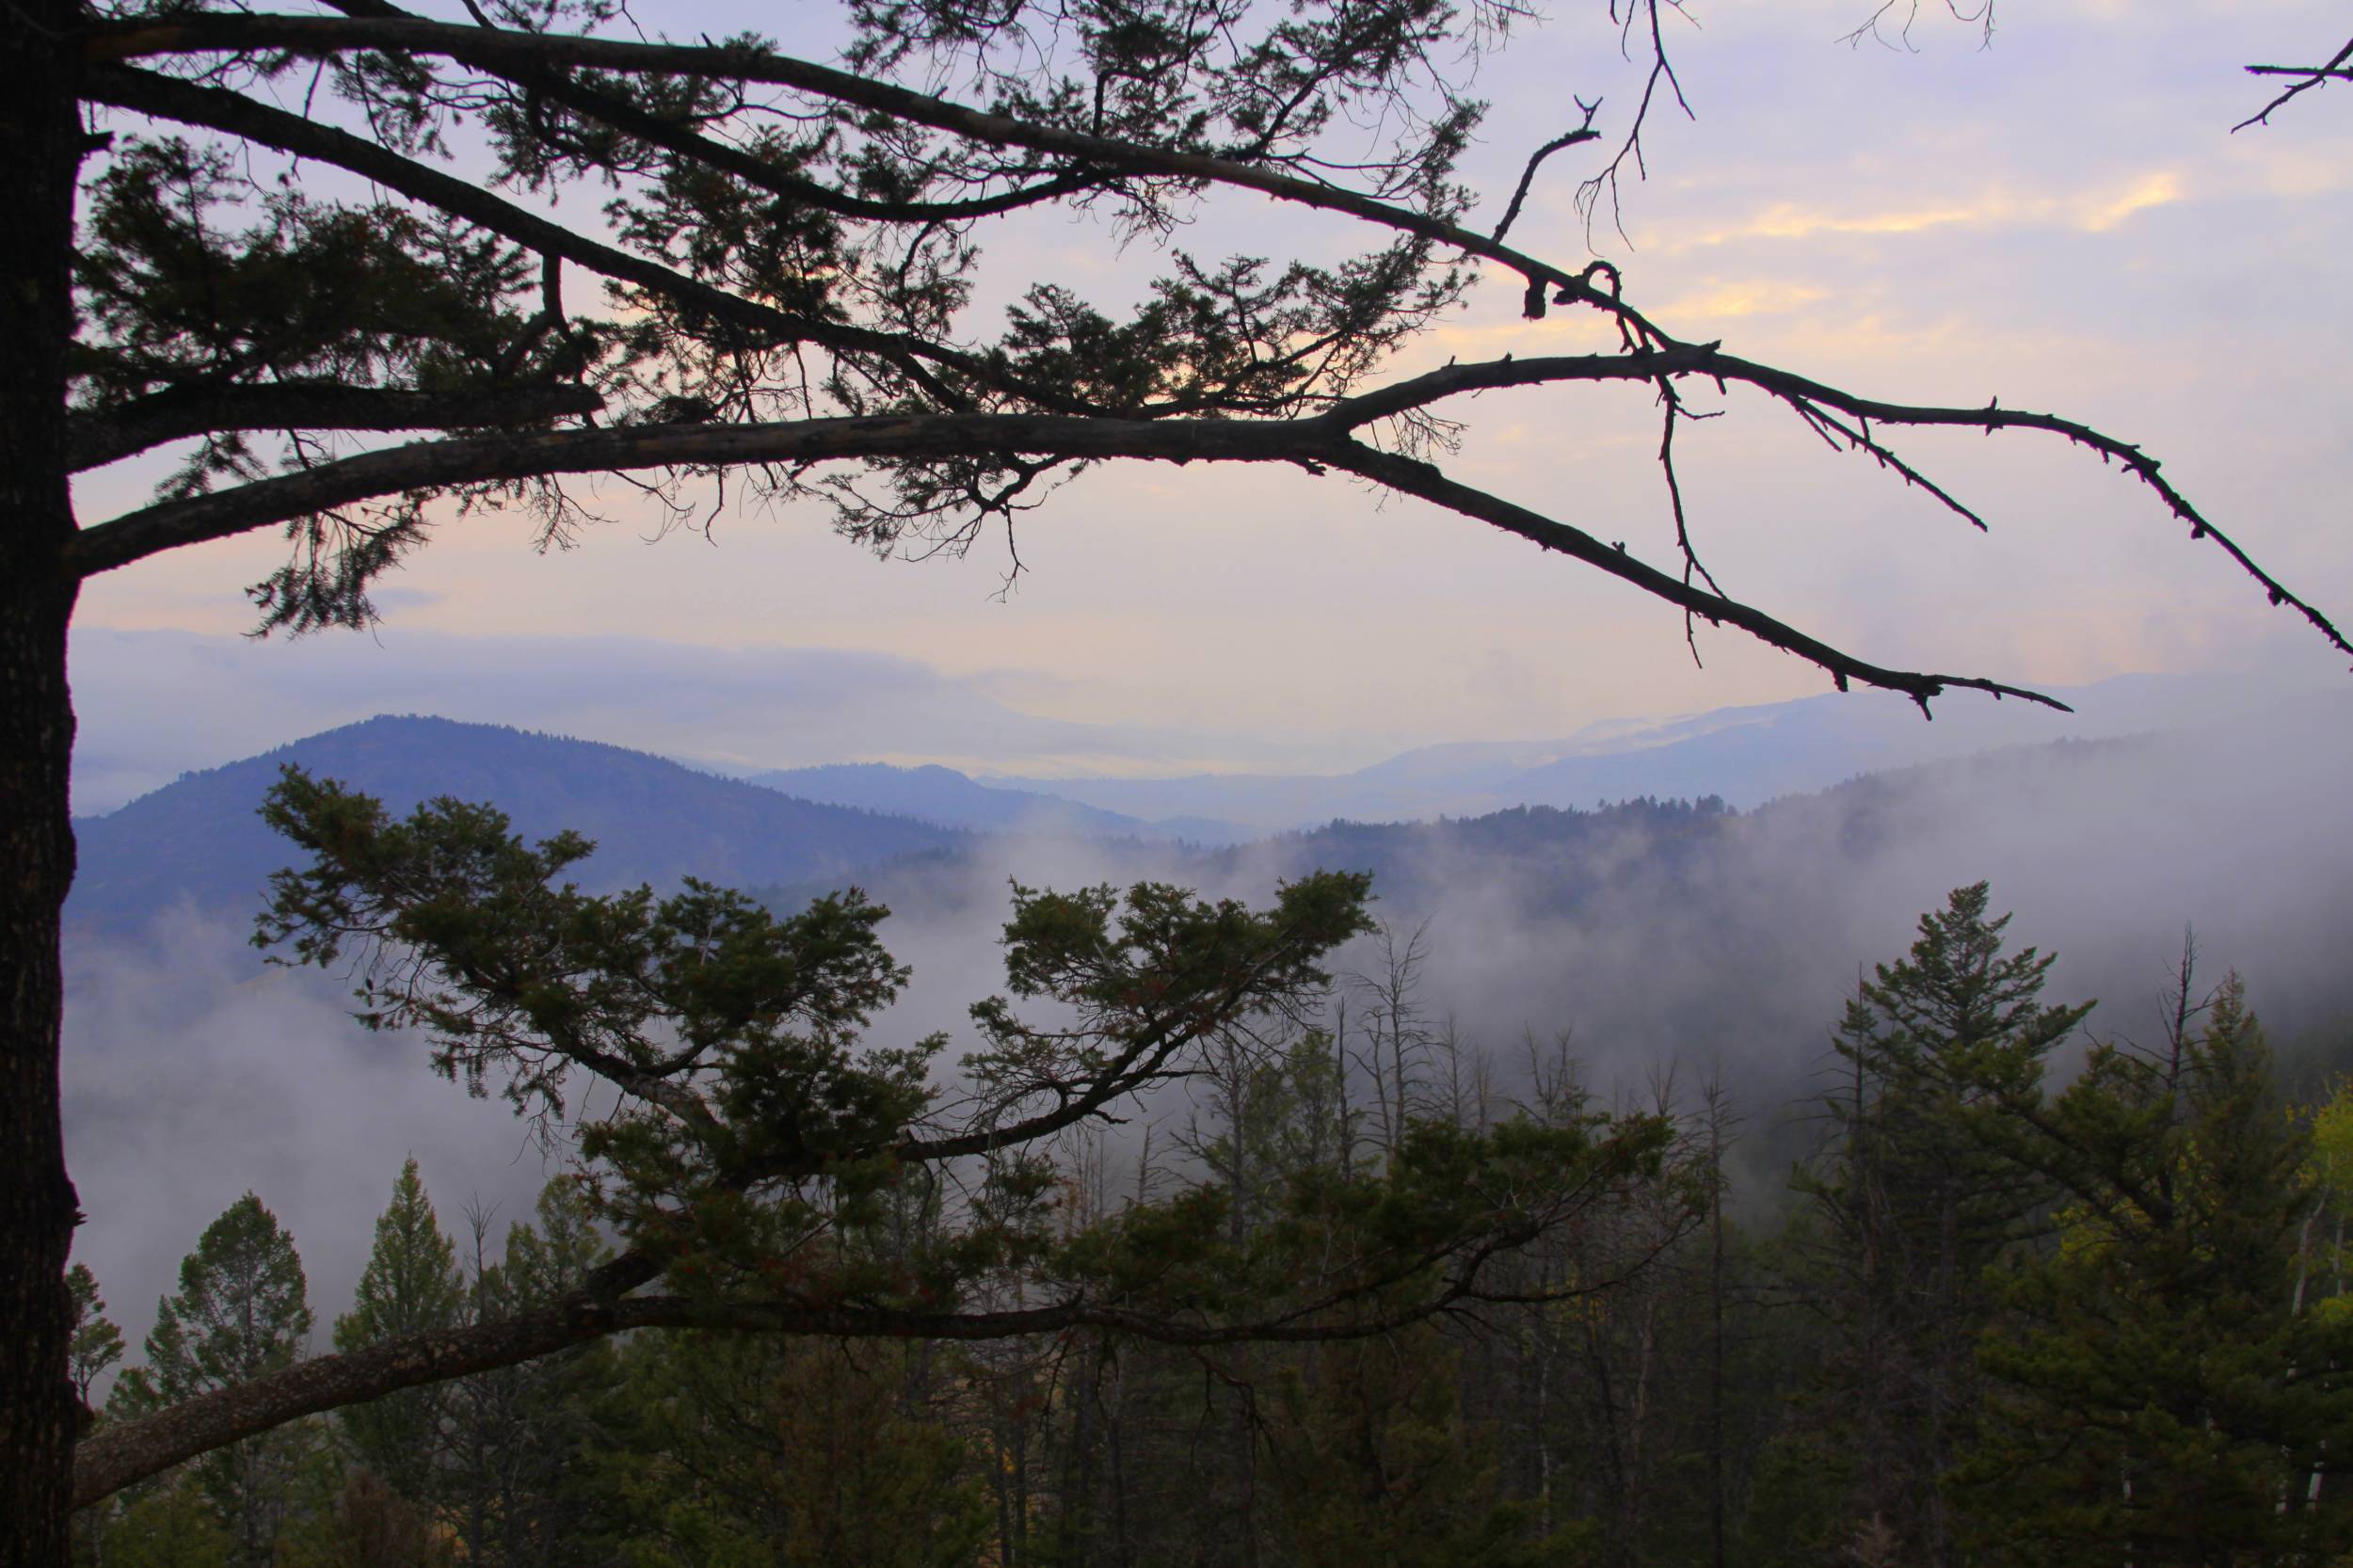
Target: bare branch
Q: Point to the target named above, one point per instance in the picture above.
(2312, 77)
(1809, 397)
(1528, 176)
(467, 459)
(1317, 443)
(1312, 443)
(1423, 480)
(100, 437)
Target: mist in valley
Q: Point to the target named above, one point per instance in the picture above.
(1706, 942)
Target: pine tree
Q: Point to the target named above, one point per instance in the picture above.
(2157, 1396)
(242, 1310)
(781, 1453)
(525, 1494)
(97, 1342)
(169, 1526)
(97, 1345)
(411, 1285)
(1919, 1199)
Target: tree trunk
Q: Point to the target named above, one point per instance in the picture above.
(39, 151)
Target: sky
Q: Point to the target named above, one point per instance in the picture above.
(2062, 219)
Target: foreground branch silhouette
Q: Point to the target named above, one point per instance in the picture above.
(758, 1139)
(315, 269)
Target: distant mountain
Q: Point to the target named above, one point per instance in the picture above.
(199, 840)
(1666, 929)
(1746, 756)
(942, 795)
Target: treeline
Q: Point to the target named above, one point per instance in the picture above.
(2002, 1312)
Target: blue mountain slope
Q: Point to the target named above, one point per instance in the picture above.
(953, 799)
(1746, 755)
(942, 795)
(199, 841)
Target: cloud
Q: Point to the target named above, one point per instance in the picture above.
(191, 1079)
(1742, 298)
(2151, 190)
(2094, 209)
(154, 704)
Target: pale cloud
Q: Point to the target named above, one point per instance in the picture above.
(2152, 190)
(1491, 334)
(1787, 221)
(2094, 209)
(1745, 297)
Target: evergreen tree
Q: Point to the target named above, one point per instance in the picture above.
(791, 1454)
(241, 1310)
(411, 1283)
(97, 1342)
(2158, 1396)
(168, 1526)
(368, 1525)
(1373, 1459)
(97, 1345)
(1919, 1199)
(524, 1494)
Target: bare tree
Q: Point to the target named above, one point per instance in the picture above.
(1396, 1036)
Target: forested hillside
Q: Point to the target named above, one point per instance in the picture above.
(202, 841)
(1889, 1250)
(1995, 1313)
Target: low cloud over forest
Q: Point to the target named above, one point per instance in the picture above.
(1659, 934)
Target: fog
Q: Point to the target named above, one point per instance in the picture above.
(193, 1075)
(155, 704)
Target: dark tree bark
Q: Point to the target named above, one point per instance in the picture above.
(41, 136)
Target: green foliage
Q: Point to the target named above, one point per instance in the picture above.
(522, 1491)
(762, 1143)
(2156, 1387)
(97, 1341)
(358, 296)
(172, 1525)
(1800, 1511)
(1371, 1459)
(1919, 1191)
(410, 1283)
(368, 1525)
(243, 1307)
(2053, 1323)
(789, 1454)
(242, 1311)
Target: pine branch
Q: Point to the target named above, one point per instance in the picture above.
(97, 437)
(216, 108)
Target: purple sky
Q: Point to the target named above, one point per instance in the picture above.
(2063, 219)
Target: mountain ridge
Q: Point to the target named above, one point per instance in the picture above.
(199, 840)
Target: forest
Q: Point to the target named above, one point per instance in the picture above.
(2012, 1292)
(1208, 1236)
